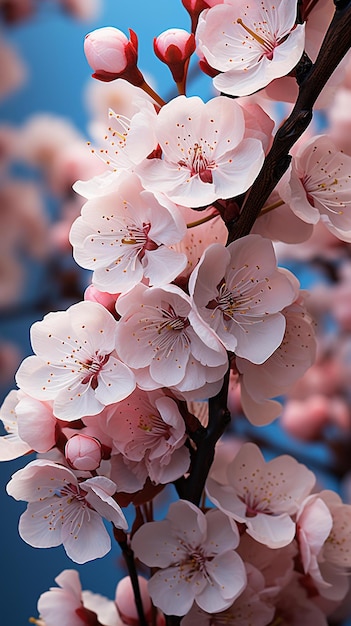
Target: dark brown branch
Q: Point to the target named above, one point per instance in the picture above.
(219, 417)
(336, 43)
(128, 555)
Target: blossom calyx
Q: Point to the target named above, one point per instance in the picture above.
(194, 8)
(112, 55)
(175, 47)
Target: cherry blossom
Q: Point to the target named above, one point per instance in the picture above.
(249, 608)
(175, 47)
(323, 523)
(196, 556)
(281, 370)
(250, 43)
(11, 444)
(205, 154)
(122, 149)
(241, 298)
(62, 510)
(68, 604)
(167, 344)
(263, 495)
(125, 237)
(148, 429)
(318, 186)
(83, 452)
(75, 364)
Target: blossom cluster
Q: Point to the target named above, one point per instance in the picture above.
(177, 313)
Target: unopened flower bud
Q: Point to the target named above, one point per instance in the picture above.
(83, 452)
(194, 8)
(126, 604)
(175, 47)
(108, 300)
(112, 55)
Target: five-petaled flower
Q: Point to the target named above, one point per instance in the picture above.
(63, 510)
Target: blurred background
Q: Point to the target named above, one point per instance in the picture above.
(48, 107)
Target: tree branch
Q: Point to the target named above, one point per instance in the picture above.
(336, 43)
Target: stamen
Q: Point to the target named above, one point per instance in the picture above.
(252, 33)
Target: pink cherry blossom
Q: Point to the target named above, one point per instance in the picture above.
(239, 292)
(125, 601)
(62, 510)
(75, 363)
(263, 495)
(148, 429)
(294, 607)
(11, 444)
(125, 237)
(167, 344)
(68, 604)
(250, 608)
(281, 370)
(250, 43)
(112, 55)
(197, 561)
(122, 149)
(205, 154)
(318, 186)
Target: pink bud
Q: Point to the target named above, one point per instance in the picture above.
(112, 55)
(83, 452)
(108, 300)
(174, 47)
(126, 604)
(194, 8)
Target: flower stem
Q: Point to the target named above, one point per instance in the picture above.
(203, 220)
(270, 207)
(145, 87)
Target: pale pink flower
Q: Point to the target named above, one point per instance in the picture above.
(205, 153)
(75, 363)
(68, 604)
(263, 495)
(281, 370)
(122, 149)
(11, 444)
(197, 561)
(112, 55)
(125, 601)
(239, 292)
(162, 338)
(250, 43)
(248, 609)
(62, 510)
(147, 428)
(318, 186)
(323, 523)
(125, 236)
(82, 9)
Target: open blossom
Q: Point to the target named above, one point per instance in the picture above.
(263, 495)
(11, 444)
(125, 236)
(318, 186)
(122, 149)
(197, 560)
(323, 524)
(62, 510)
(148, 429)
(239, 292)
(165, 342)
(68, 604)
(295, 354)
(205, 154)
(250, 43)
(75, 363)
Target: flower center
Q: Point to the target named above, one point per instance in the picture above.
(139, 237)
(92, 368)
(229, 302)
(199, 163)
(74, 493)
(168, 331)
(268, 42)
